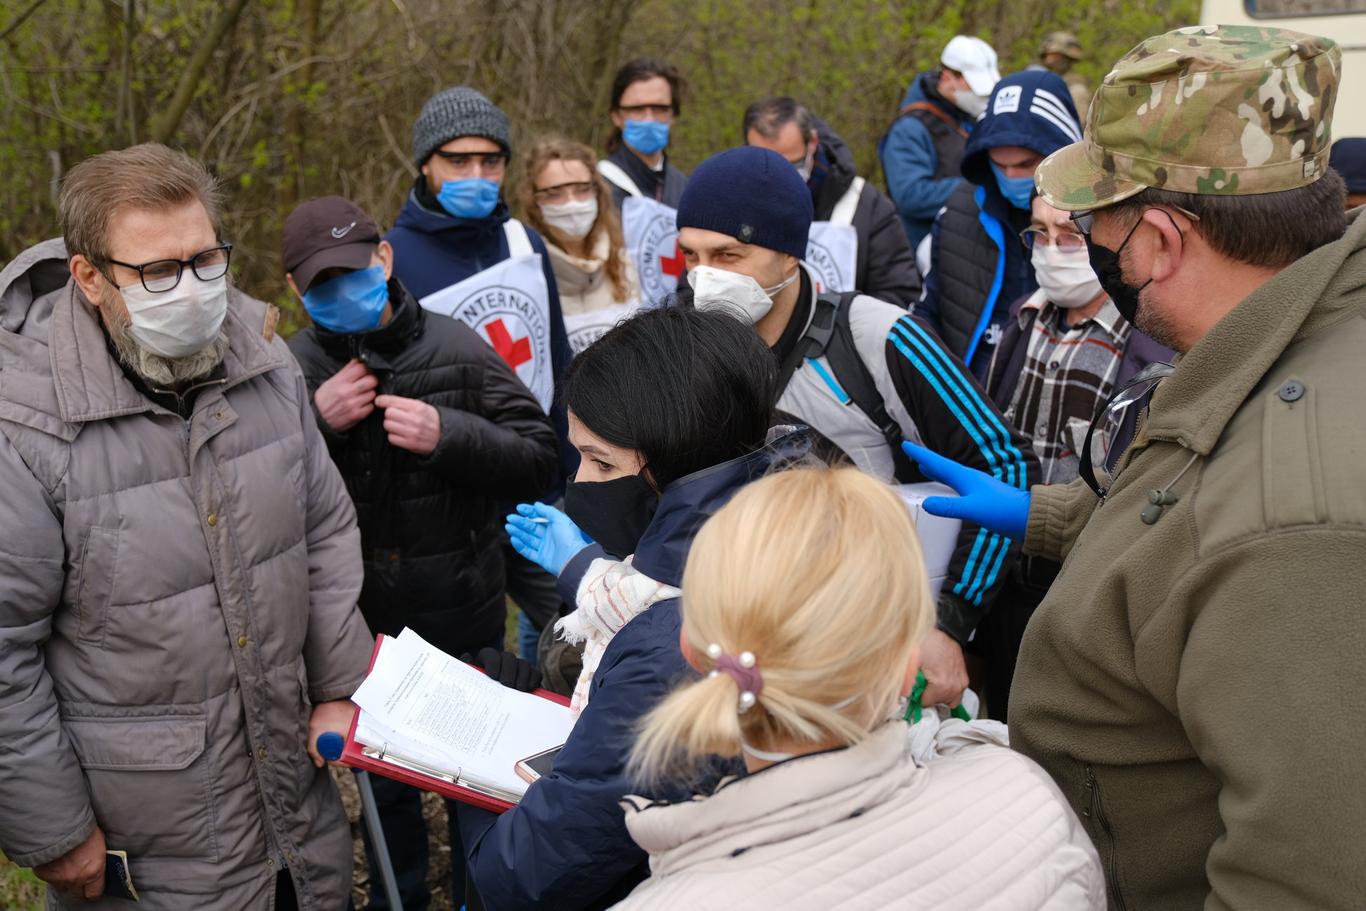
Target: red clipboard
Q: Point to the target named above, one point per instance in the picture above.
(353, 756)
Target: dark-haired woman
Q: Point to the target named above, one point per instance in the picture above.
(670, 414)
(645, 103)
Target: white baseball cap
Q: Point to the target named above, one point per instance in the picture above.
(975, 59)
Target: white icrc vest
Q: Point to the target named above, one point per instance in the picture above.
(508, 304)
(832, 246)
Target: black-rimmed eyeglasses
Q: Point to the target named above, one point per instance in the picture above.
(164, 274)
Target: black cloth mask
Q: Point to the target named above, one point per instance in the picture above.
(613, 513)
(1105, 263)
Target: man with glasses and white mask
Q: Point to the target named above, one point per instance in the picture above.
(1191, 678)
(179, 565)
(1064, 350)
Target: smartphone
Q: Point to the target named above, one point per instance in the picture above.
(118, 882)
(533, 767)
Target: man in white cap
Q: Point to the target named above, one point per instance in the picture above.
(921, 151)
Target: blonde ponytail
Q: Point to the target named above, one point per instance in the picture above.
(818, 573)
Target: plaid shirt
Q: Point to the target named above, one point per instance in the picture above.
(1069, 371)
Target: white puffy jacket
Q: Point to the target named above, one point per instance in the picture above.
(980, 828)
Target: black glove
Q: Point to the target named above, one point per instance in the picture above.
(506, 668)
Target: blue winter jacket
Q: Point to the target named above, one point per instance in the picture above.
(434, 250)
(911, 163)
(979, 265)
(566, 846)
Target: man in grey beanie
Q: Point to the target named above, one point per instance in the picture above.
(461, 254)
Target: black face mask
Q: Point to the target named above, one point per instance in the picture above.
(613, 513)
(1105, 263)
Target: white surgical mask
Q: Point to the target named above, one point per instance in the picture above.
(179, 322)
(717, 289)
(807, 166)
(1065, 277)
(970, 103)
(572, 219)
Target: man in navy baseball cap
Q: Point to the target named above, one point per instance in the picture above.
(861, 371)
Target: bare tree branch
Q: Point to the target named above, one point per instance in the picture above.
(165, 125)
(19, 19)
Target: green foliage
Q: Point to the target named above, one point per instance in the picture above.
(310, 97)
(20, 890)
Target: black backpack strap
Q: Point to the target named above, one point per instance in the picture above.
(813, 341)
(837, 345)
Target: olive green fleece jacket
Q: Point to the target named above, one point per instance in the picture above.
(1197, 686)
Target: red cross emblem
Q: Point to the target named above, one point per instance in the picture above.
(515, 351)
(672, 265)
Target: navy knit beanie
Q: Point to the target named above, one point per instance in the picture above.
(751, 194)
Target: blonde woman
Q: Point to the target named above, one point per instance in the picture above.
(805, 603)
(569, 203)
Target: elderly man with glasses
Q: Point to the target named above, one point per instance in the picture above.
(179, 566)
(1192, 679)
(1065, 349)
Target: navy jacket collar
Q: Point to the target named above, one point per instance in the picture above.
(688, 502)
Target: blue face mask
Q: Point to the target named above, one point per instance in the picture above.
(646, 136)
(1016, 190)
(473, 197)
(353, 302)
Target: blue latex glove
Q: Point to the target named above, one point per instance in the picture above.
(982, 500)
(545, 536)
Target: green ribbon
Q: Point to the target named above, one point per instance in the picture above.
(915, 709)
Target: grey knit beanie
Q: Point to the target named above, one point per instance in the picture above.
(453, 113)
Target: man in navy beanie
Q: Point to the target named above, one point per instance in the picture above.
(858, 370)
(978, 264)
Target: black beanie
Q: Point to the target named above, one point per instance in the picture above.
(753, 195)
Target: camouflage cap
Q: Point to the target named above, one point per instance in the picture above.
(1207, 109)
(1064, 43)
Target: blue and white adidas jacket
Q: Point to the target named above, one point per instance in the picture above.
(937, 403)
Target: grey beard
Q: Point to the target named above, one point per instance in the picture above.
(161, 372)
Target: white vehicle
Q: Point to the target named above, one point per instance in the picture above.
(1342, 20)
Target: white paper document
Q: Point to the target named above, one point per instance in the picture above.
(425, 711)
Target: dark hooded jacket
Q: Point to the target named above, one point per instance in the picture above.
(979, 265)
(430, 526)
(886, 265)
(565, 846)
(434, 250)
(665, 185)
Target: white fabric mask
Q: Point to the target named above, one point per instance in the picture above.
(179, 322)
(970, 103)
(1065, 277)
(572, 219)
(717, 289)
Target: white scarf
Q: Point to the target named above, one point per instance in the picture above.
(610, 595)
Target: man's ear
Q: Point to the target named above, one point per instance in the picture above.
(1169, 241)
(88, 278)
(289, 277)
(619, 120)
(385, 252)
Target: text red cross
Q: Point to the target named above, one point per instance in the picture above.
(515, 351)
(672, 265)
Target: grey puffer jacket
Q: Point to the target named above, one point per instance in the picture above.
(174, 596)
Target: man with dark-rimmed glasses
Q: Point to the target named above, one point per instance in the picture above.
(1193, 680)
(179, 565)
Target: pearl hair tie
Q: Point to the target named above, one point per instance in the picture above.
(743, 670)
